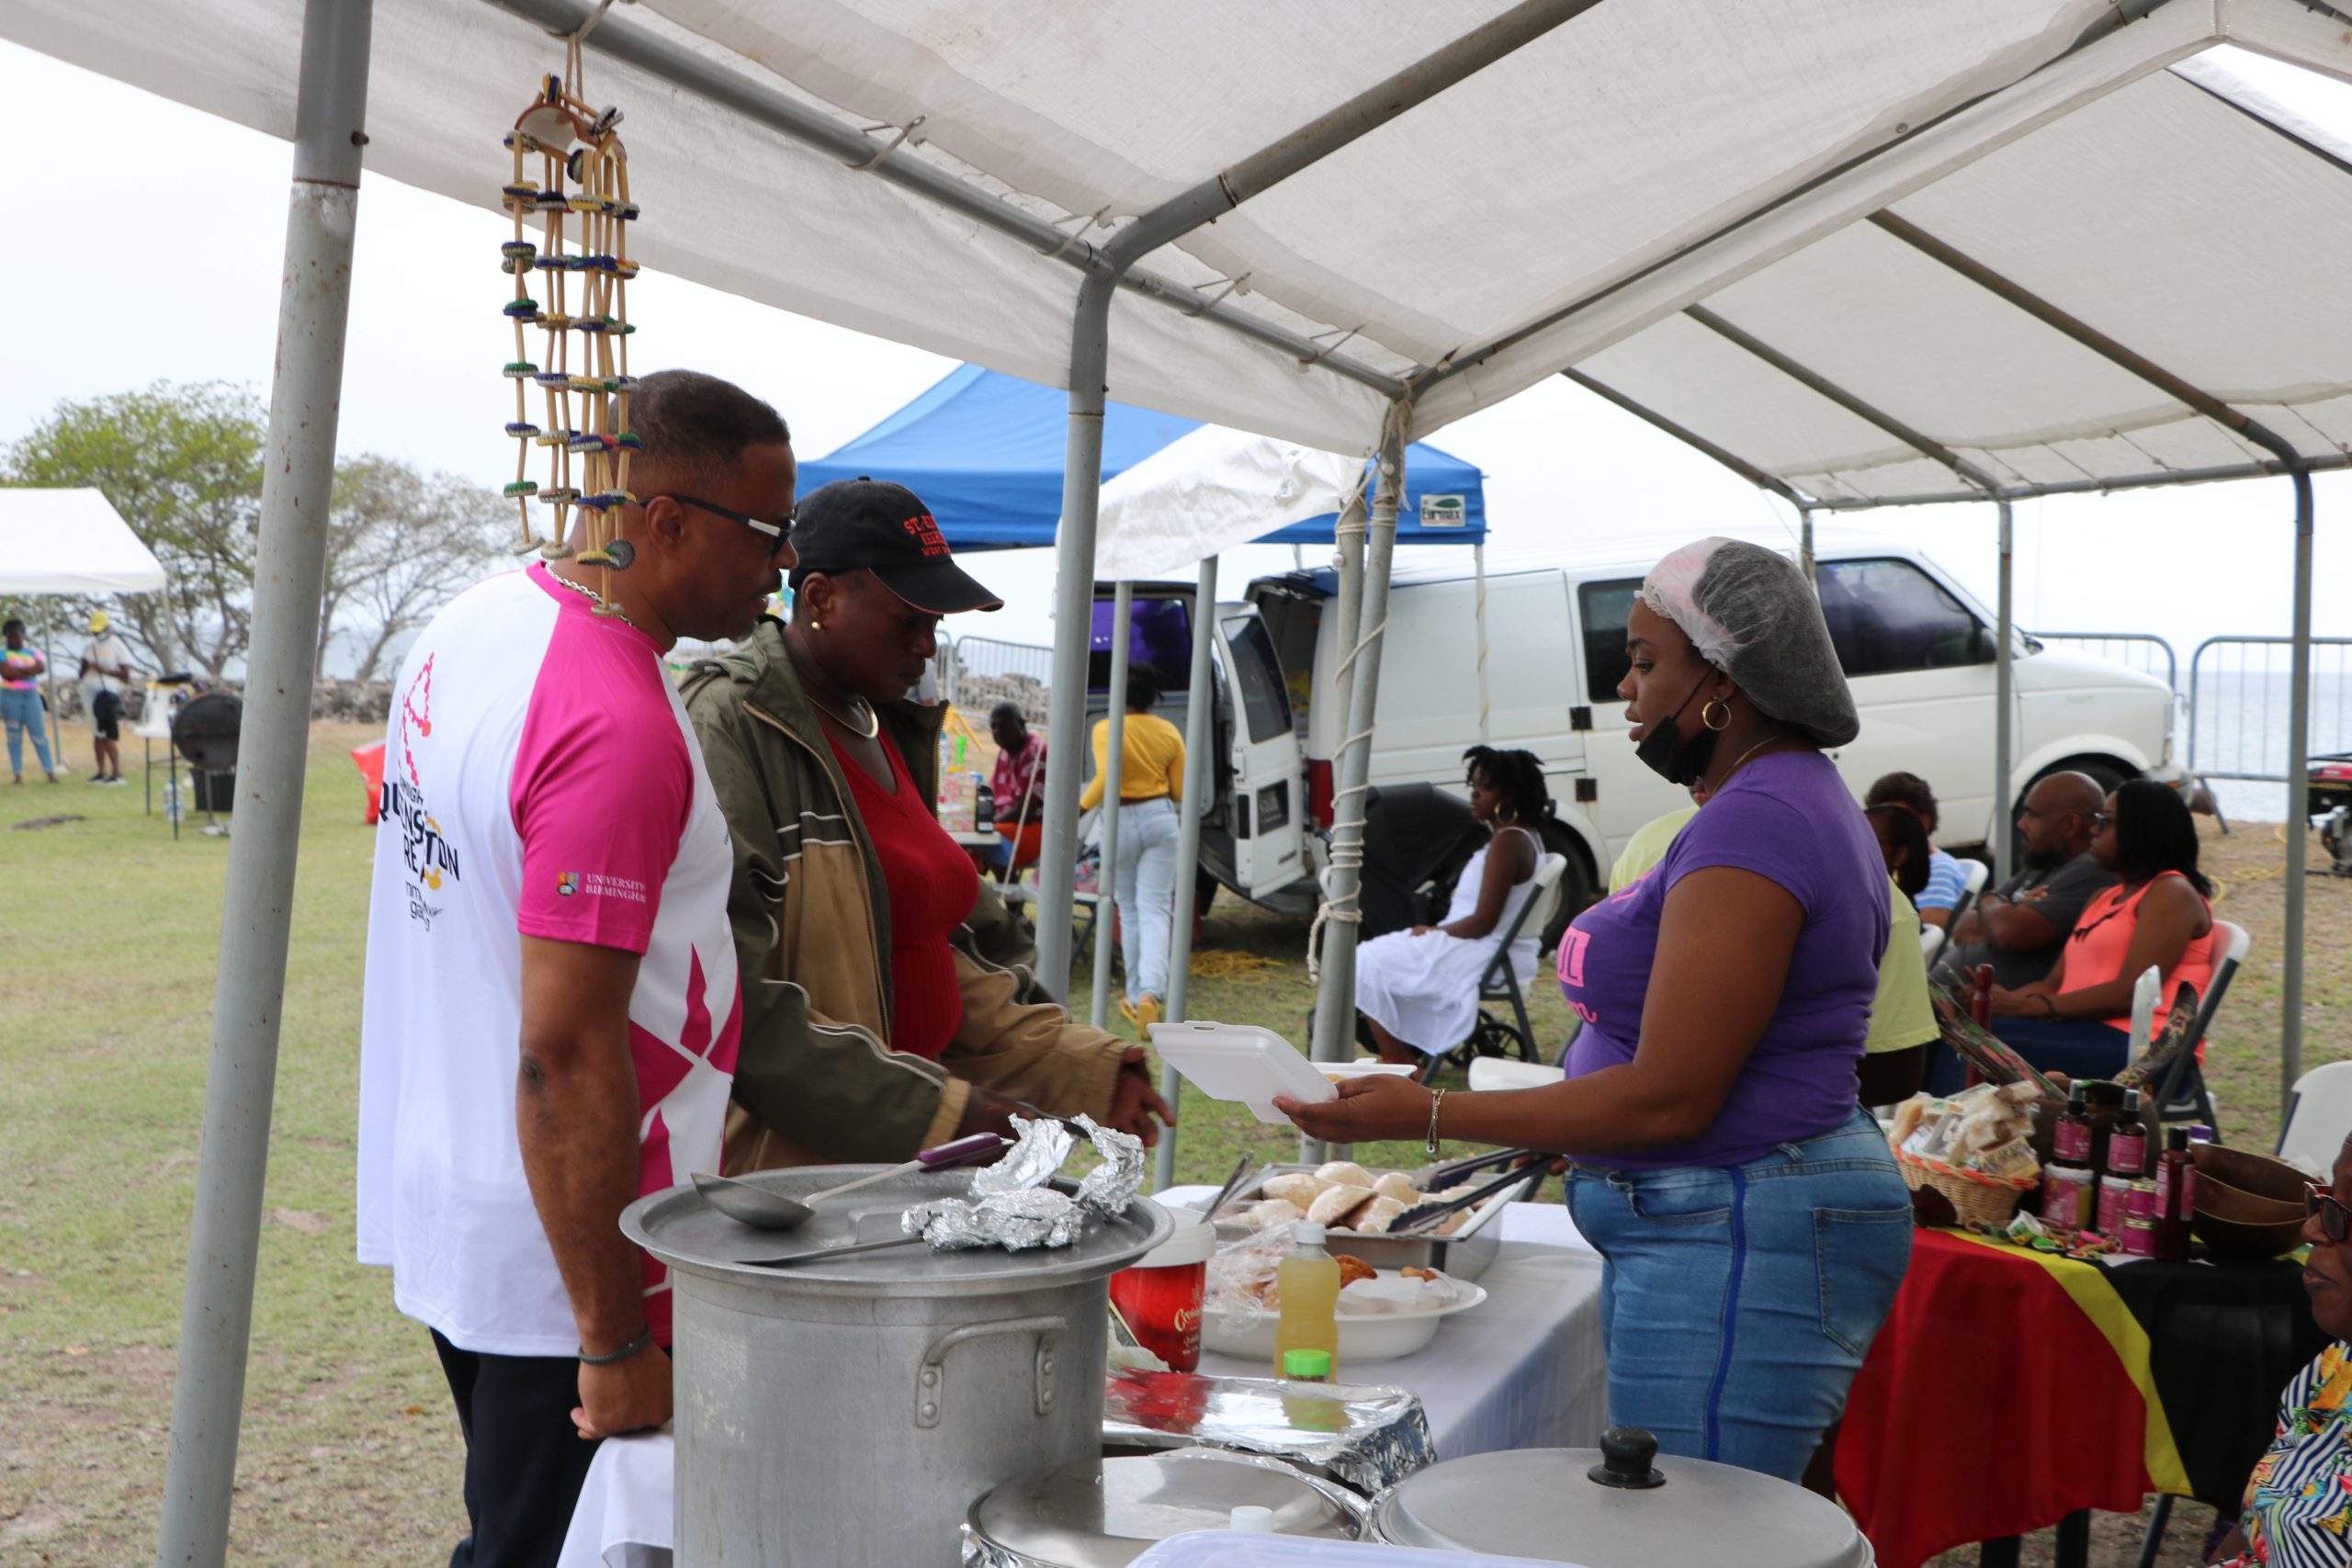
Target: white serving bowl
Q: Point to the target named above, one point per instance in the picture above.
(1384, 1336)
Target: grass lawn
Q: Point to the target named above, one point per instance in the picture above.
(350, 1455)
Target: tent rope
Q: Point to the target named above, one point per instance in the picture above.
(1078, 234)
(1231, 284)
(891, 146)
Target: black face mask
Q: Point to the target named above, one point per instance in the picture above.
(1672, 758)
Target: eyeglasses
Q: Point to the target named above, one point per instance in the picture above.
(2335, 1218)
(778, 533)
(2101, 821)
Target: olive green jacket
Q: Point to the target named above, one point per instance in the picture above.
(816, 1080)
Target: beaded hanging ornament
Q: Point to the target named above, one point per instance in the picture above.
(580, 196)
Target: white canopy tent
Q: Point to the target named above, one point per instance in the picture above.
(69, 541)
(1358, 222)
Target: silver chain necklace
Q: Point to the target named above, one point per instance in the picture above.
(591, 595)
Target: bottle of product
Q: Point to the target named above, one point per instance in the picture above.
(2073, 1142)
(2114, 1206)
(2139, 1238)
(2126, 1142)
(2176, 1197)
(2065, 1194)
(1307, 1282)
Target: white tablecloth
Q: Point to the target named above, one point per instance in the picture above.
(1523, 1370)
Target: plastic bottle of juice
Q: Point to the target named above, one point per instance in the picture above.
(1307, 1282)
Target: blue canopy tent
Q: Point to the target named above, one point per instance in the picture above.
(984, 451)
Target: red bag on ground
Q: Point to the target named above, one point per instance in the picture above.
(370, 759)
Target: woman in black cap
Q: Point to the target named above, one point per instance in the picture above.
(888, 1004)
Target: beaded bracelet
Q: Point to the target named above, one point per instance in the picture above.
(623, 1354)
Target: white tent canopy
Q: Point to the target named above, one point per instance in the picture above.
(1501, 229)
(1210, 491)
(70, 541)
(2179, 217)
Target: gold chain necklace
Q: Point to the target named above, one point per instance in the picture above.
(872, 719)
(1768, 741)
(591, 595)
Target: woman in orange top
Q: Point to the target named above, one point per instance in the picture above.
(2077, 1020)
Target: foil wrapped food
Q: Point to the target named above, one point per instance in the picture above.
(1364, 1438)
(1012, 1207)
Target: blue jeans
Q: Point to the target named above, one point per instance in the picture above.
(1738, 1301)
(1146, 890)
(21, 712)
(2078, 1047)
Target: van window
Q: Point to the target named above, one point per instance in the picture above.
(1888, 617)
(1159, 633)
(1602, 607)
(1265, 704)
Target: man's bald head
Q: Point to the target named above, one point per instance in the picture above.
(2056, 821)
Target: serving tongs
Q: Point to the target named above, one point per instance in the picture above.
(1416, 1220)
(1437, 1177)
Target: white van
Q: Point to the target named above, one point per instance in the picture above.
(1918, 649)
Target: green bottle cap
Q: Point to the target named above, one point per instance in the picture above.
(1308, 1366)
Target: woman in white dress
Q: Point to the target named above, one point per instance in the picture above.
(1418, 990)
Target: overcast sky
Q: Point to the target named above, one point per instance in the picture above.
(145, 240)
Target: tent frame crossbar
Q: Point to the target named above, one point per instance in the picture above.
(2285, 460)
(1089, 390)
(642, 48)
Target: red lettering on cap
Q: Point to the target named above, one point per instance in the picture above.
(926, 533)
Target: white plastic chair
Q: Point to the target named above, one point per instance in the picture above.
(1931, 942)
(2319, 1116)
(1501, 982)
(2182, 1093)
(1976, 873)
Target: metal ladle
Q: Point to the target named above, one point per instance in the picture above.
(762, 1209)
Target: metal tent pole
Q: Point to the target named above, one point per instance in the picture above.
(49, 679)
(1089, 360)
(2299, 767)
(273, 739)
(1486, 703)
(2004, 700)
(1114, 754)
(1335, 1009)
(1804, 544)
(1200, 720)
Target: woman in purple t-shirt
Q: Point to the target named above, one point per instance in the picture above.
(1753, 1223)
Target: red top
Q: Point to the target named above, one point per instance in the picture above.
(932, 887)
(2101, 939)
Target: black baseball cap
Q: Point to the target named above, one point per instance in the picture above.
(870, 524)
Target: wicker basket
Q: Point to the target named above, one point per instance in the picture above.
(1976, 1198)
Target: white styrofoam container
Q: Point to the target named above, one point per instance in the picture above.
(1243, 1062)
(1382, 1336)
(1226, 1549)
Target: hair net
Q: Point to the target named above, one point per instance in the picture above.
(1751, 615)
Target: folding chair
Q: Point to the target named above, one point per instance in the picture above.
(1931, 942)
(1977, 873)
(2182, 1095)
(1492, 1036)
(2320, 1115)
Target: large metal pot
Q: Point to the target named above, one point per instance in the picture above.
(1617, 1506)
(849, 1411)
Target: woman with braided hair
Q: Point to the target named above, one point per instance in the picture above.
(1418, 990)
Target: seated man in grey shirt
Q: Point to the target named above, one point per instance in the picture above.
(2020, 927)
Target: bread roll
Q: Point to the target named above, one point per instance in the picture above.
(1353, 1268)
(1273, 1211)
(1334, 1204)
(1398, 1185)
(1293, 1187)
(1378, 1216)
(1343, 1173)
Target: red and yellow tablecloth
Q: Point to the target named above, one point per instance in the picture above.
(2009, 1389)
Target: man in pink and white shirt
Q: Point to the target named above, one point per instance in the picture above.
(550, 1019)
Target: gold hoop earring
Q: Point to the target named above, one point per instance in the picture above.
(1707, 715)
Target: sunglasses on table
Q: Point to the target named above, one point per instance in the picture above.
(2335, 1218)
(779, 532)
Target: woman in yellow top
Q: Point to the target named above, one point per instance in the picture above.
(1151, 780)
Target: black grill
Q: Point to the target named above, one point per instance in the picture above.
(205, 732)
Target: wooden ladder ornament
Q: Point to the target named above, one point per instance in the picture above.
(583, 175)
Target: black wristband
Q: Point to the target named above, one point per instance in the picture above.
(623, 1354)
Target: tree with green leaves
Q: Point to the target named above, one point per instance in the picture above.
(183, 465)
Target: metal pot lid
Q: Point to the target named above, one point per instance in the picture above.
(1107, 1513)
(682, 1230)
(1549, 1504)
